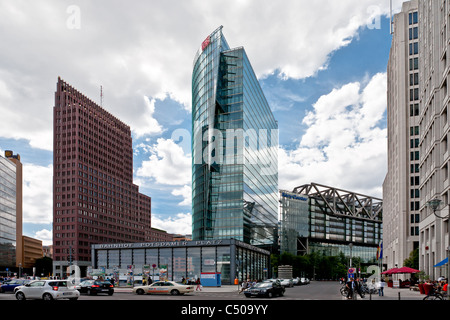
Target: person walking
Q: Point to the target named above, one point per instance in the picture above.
(243, 286)
(199, 285)
(381, 285)
(358, 288)
(350, 286)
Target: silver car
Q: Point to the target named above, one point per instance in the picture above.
(287, 283)
(47, 290)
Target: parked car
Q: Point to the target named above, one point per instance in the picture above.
(10, 285)
(47, 290)
(273, 280)
(267, 289)
(164, 287)
(304, 281)
(93, 287)
(296, 281)
(287, 283)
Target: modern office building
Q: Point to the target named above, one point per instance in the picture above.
(331, 221)
(10, 212)
(401, 187)
(434, 71)
(234, 149)
(32, 250)
(94, 198)
(215, 262)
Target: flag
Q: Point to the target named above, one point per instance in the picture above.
(380, 250)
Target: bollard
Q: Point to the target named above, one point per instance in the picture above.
(399, 296)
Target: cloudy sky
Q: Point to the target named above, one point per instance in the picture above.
(321, 63)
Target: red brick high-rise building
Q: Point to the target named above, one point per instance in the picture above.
(94, 198)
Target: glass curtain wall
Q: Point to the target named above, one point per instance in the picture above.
(7, 213)
(235, 142)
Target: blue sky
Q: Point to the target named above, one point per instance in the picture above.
(322, 66)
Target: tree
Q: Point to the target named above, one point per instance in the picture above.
(413, 260)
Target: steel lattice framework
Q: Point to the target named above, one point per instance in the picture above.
(345, 203)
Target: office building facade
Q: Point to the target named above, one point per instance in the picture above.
(234, 149)
(10, 212)
(434, 72)
(326, 220)
(94, 198)
(223, 260)
(401, 187)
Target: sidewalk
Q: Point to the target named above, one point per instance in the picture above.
(227, 288)
(394, 294)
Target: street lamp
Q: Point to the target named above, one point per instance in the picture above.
(434, 205)
(351, 253)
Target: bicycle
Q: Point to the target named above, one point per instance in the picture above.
(435, 296)
(344, 291)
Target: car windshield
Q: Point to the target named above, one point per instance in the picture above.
(263, 285)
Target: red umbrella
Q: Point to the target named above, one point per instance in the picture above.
(390, 271)
(407, 270)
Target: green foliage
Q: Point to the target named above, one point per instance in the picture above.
(413, 260)
(314, 265)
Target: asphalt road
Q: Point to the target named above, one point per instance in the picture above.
(316, 290)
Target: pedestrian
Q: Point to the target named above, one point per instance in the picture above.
(183, 280)
(243, 286)
(358, 287)
(350, 287)
(380, 286)
(199, 285)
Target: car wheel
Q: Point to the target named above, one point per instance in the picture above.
(20, 296)
(47, 296)
(269, 295)
(175, 292)
(281, 293)
(140, 291)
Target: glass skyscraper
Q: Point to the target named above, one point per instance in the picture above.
(234, 148)
(8, 214)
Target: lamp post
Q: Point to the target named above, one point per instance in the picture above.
(351, 253)
(434, 205)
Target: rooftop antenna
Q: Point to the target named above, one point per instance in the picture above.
(391, 24)
(101, 96)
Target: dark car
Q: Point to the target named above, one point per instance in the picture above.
(8, 286)
(265, 289)
(93, 287)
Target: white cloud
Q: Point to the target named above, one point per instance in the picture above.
(150, 52)
(180, 223)
(186, 193)
(45, 236)
(167, 164)
(37, 194)
(344, 145)
(147, 124)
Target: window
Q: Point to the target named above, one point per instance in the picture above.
(413, 48)
(413, 18)
(413, 79)
(413, 33)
